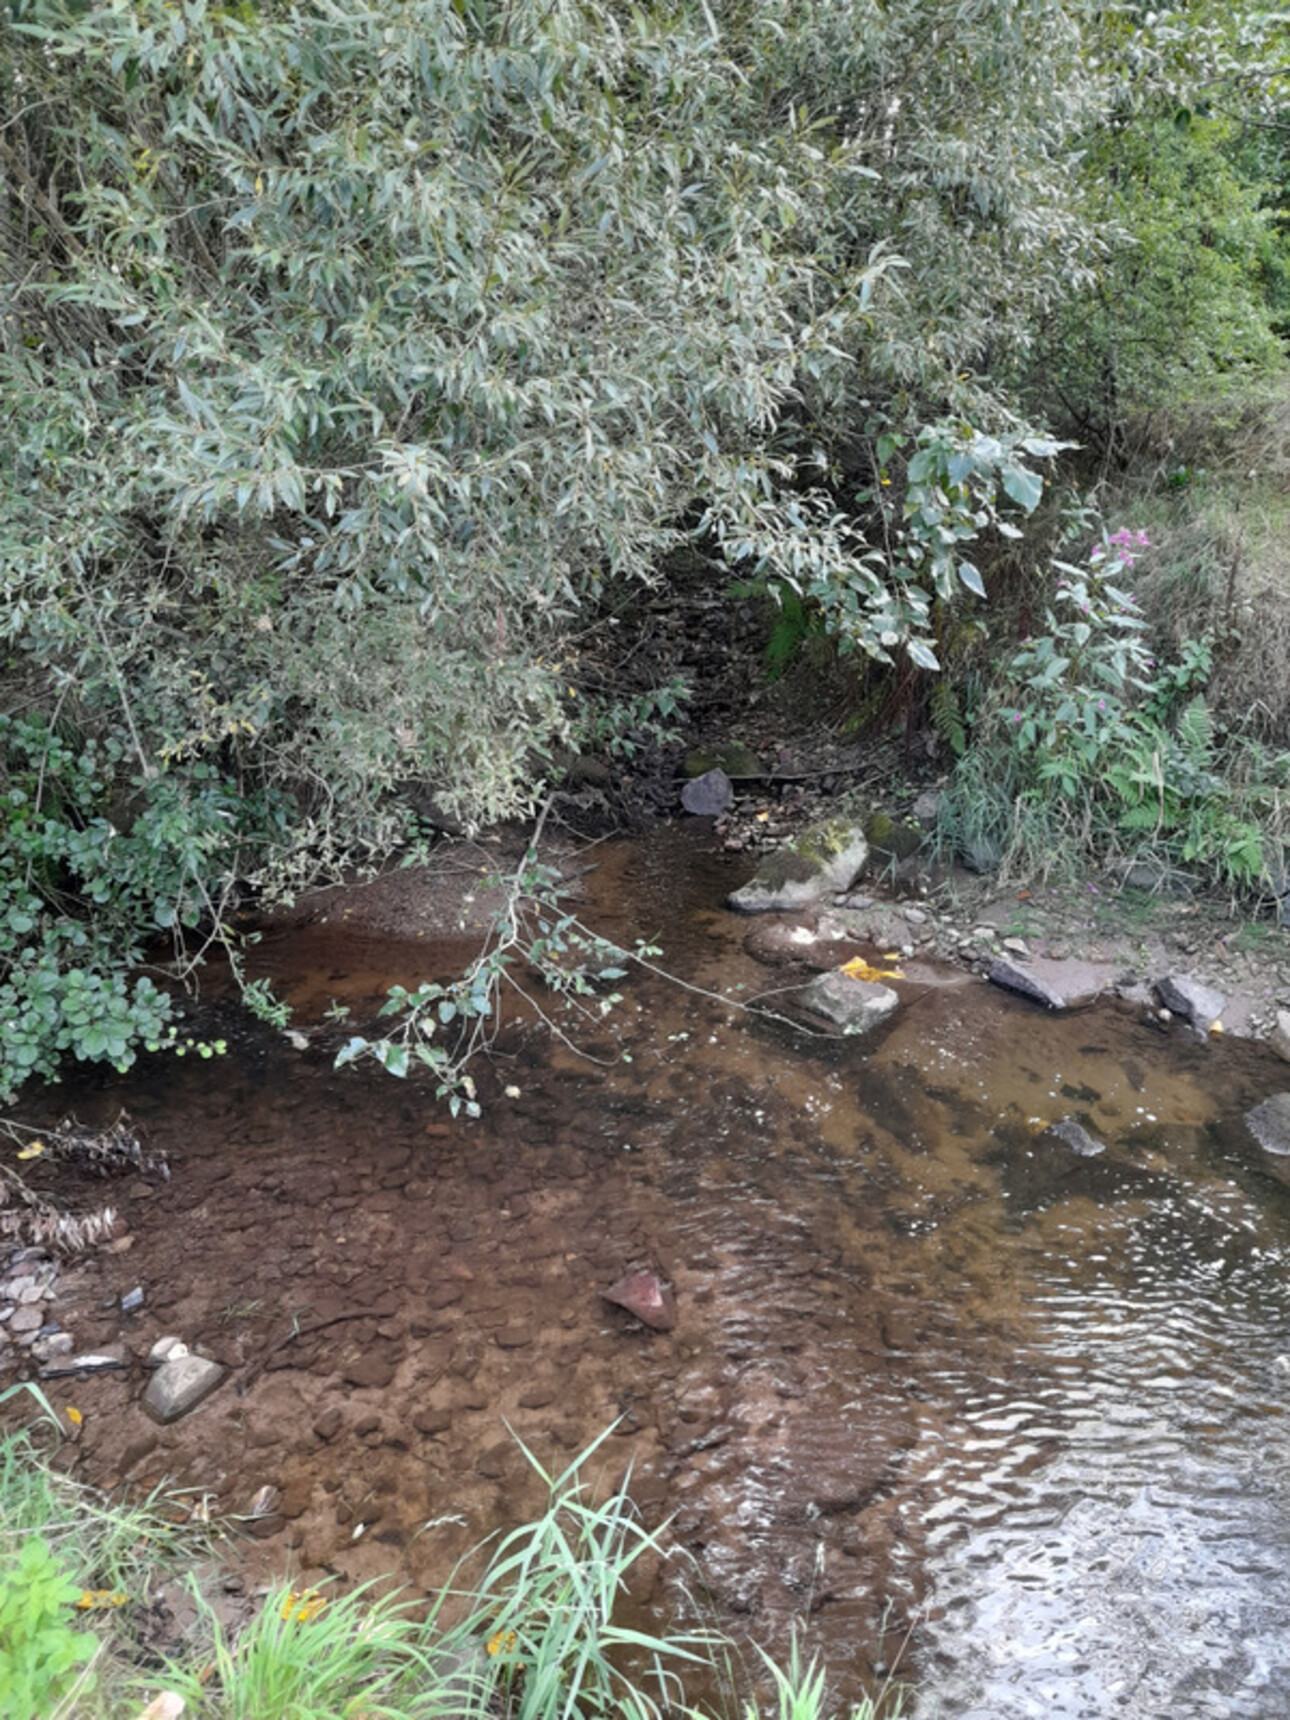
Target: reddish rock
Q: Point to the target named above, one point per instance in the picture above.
(643, 1294)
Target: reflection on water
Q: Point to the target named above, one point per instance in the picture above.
(939, 1385)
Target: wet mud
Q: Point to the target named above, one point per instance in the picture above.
(939, 1389)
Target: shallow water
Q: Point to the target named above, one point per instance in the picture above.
(947, 1391)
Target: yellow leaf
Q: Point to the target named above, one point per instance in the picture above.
(33, 1151)
(75, 1417)
(92, 1600)
(303, 1605)
(859, 968)
(503, 1643)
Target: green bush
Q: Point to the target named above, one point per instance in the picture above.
(40, 1651)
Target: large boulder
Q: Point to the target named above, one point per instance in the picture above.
(709, 795)
(854, 1005)
(815, 865)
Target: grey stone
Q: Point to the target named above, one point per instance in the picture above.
(28, 1318)
(180, 1385)
(1069, 1133)
(823, 859)
(56, 1344)
(132, 1301)
(926, 809)
(104, 1361)
(1279, 1038)
(709, 795)
(1269, 1123)
(855, 1005)
(1055, 984)
(645, 1295)
(1185, 996)
(1017, 947)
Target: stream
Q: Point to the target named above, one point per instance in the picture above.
(968, 1405)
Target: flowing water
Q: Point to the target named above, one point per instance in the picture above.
(952, 1394)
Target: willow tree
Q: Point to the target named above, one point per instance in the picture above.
(350, 352)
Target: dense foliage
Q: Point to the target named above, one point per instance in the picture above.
(352, 354)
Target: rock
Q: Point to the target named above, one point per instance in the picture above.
(328, 1424)
(890, 839)
(432, 1421)
(1279, 1038)
(588, 769)
(56, 1344)
(1017, 947)
(644, 1295)
(132, 1301)
(1182, 995)
(855, 1005)
(1155, 878)
(1055, 984)
(709, 795)
(734, 759)
(166, 1349)
(179, 1385)
(513, 1337)
(28, 1318)
(823, 859)
(266, 1501)
(375, 1369)
(1069, 1133)
(1269, 1123)
(778, 942)
(915, 916)
(926, 810)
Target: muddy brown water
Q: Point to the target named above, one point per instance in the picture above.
(939, 1391)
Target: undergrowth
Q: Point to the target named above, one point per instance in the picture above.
(535, 1636)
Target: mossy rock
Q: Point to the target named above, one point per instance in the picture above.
(734, 758)
(891, 839)
(824, 858)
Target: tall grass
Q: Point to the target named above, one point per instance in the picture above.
(533, 1637)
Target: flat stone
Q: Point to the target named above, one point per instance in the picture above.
(854, 1005)
(56, 1344)
(1055, 984)
(1269, 1123)
(328, 1424)
(513, 1337)
(644, 1295)
(375, 1369)
(820, 861)
(179, 1385)
(1075, 1137)
(1185, 996)
(709, 795)
(27, 1318)
(432, 1421)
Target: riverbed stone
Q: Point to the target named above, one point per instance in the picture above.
(646, 1296)
(1071, 1134)
(1057, 985)
(709, 795)
(1184, 995)
(28, 1318)
(823, 859)
(854, 1005)
(179, 1385)
(1269, 1123)
(166, 1349)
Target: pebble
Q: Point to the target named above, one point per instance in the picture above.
(180, 1385)
(132, 1301)
(1017, 946)
(28, 1318)
(915, 916)
(166, 1349)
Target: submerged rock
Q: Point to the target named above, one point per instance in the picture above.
(179, 1385)
(644, 1295)
(709, 795)
(822, 860)
(854, 1005)
(1269, 1123)
(1182, 995)
(1068, 1133)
